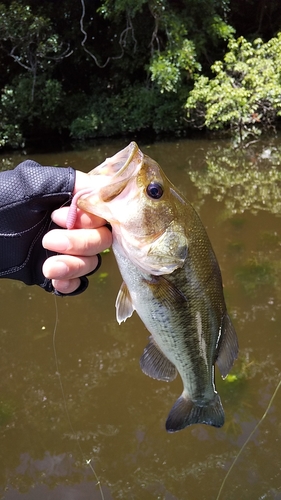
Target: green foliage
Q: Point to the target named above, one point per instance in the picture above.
(19, 110)
(110, 8)
(84, 127)
(167, 68)
(10, 135)
(178, 62)
(31, 98)
(32, 42)
(115, 67)
(245, 93)
(136, 108)
(221, 29)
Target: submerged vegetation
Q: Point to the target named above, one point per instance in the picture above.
(96, 69)
(255, 274)
(6, 412)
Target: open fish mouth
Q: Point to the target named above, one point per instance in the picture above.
(127, 161)
(111, 178)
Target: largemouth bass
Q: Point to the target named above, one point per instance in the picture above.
(171, 279)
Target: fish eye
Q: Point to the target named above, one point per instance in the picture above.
(155, 190)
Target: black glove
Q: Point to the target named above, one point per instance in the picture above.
(29, 194)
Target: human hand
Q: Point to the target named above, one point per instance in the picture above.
(77, 248)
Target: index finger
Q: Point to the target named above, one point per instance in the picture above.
(84, 220)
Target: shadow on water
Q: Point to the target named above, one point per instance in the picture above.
(109, 412)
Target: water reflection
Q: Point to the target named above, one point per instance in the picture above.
(243, 179)
(97, 405)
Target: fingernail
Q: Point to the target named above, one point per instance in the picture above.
(61, 286)
(62, 243)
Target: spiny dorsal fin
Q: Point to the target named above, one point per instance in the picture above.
(228, 347)
(123, 304)
(155, 364)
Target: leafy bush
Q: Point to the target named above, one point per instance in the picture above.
(245, 93)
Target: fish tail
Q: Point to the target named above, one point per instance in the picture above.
(186, 412)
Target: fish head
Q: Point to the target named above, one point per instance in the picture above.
(143, 207)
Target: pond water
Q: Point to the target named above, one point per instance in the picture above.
(79, 419)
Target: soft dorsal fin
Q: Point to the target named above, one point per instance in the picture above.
(123, 304)
(155, 364)
(228, 347)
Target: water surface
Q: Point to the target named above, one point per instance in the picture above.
(71, 388)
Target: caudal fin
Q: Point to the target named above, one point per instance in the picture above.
(186, 412)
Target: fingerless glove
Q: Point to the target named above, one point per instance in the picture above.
(28, 195)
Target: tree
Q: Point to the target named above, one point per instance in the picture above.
(31, 41)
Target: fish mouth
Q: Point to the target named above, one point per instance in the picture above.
(111, 178)
(115, 173)
(127, 161)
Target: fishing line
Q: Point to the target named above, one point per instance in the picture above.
(88, 461)
(248, 439)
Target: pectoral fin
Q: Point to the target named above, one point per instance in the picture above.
(166, 292)
(155, 364)
(228, 347)
(123, 304)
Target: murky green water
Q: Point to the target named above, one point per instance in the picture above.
(101, 407)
